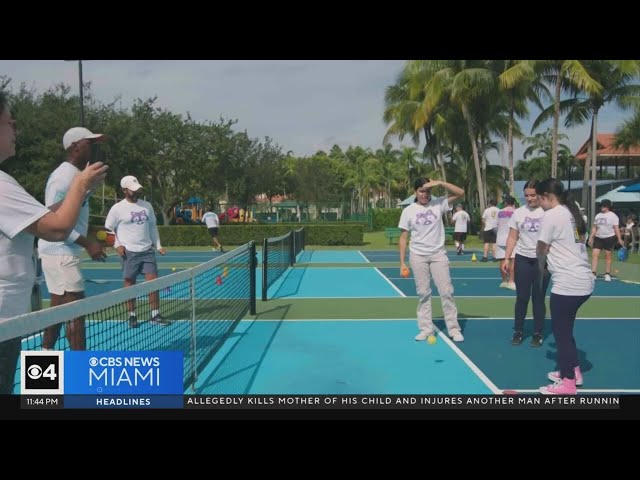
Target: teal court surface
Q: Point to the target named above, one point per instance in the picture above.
(342, 322)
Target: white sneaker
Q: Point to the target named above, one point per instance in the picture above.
(503, 285)
(422, 336)
(607, 277)
(511, 286)
(458, 337)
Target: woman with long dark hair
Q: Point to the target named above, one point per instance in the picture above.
(561, 247)
(428, 255)
(524, 227)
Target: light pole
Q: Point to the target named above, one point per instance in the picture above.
(81, 94)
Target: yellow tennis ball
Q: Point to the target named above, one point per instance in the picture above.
(431, 339)
(173, 269)
(101, 235)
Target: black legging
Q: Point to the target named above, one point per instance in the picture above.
(564, 309)
(527, 277)
(9, 353)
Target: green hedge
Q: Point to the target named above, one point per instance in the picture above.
(325, 234)
(386, 218)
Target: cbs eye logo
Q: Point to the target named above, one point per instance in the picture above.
(42, 373)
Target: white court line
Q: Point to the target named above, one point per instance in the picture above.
(365, 258)
(453, 278)
(580, 390)
(390, 283)
(474, 368)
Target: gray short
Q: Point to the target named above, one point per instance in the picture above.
(136, 263)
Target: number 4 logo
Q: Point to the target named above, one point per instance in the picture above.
(42, 373)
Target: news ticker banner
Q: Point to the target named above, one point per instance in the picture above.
(151, 380)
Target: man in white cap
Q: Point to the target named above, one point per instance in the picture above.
(134, 223)
(61, 260)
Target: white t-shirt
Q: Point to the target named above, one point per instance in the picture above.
(567, 258)
(604, 223)
(134, 225)
(461, 218)
(18, 210)
(424, 223)
(504, 216)
(490, 217)
(211, 219)
(57, 187)
(527, 222)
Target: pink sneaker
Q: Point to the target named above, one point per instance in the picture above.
(565, 386)
(555, 376)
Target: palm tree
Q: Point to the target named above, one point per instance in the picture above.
(616, 78)
(519, 83)
(388, 162)
(563, 75)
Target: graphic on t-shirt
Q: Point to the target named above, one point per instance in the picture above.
(139, 217)
(531, 224)
(601, 221)
(426, 218)
(505, 213)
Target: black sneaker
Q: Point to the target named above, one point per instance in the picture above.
(518, 338)
(537, 340)
(484, 259)
(159, 320)
(133, 321)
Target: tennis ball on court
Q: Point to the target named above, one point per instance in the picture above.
(431, 339)
(173, 269)
(405, 272)
(616, 271)
(101, 235)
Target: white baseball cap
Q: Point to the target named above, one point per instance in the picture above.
(131, 183)
(76, 134)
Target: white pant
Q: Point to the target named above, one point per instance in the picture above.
(438, 265)
(62, 273)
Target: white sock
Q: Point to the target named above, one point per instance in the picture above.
(132, 314)
(457, 244)
(462, 246)
(155, 312)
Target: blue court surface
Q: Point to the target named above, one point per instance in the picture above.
(336, 357)
(359, 282)
(485, 282)
(394, 255)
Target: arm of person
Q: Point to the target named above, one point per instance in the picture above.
(616, 229)
(402, 243)
(94, 249)
(111, 224)
(593, 234)
(56, 225)
(153, 231)
(512, 239)
(455, 192)
(542, 250)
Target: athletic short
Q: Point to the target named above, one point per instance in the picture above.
(501, 252)
(605, 243)
(62, 273)
(460, 236)
(213, 231)
(489, 236)
(136, 263)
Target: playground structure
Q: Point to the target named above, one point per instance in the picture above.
(190, 213)
(236, 215)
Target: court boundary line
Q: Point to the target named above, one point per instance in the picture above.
(363, 256)
(435, 318)
(389, 282)
(474, 368)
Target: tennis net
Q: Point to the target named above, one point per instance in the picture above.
(202, 304)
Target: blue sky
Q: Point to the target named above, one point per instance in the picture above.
(303, 105)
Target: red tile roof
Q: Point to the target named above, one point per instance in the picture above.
(606, 148)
